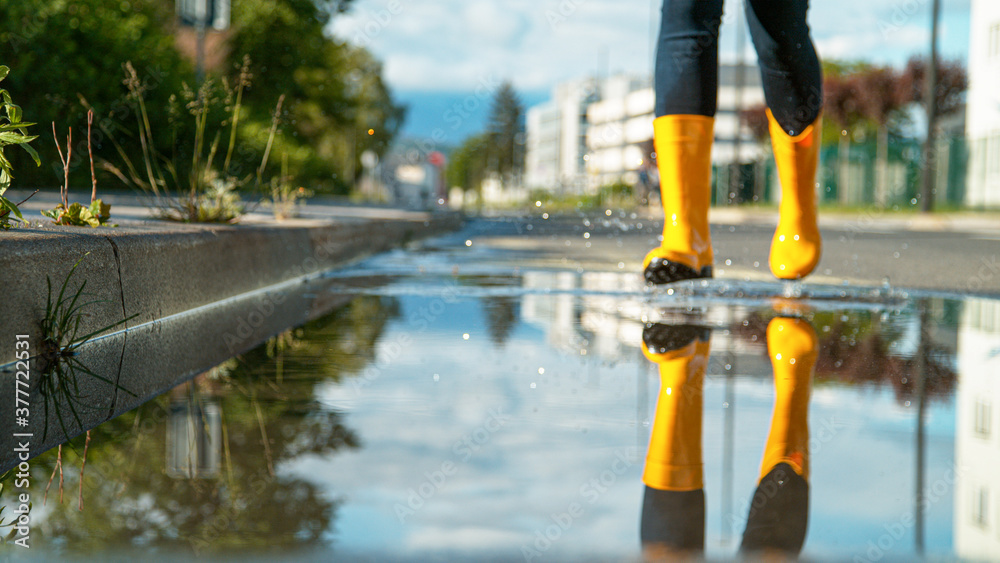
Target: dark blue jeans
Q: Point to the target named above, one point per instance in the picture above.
(687, 59)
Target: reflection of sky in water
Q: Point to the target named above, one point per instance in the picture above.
(484, 335)
(570, 417)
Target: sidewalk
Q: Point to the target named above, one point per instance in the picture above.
(146, 270)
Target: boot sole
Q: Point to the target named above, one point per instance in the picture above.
(661, 271)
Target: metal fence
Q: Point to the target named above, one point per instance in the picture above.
(851, 176)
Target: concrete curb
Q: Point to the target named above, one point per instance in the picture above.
(149, 271)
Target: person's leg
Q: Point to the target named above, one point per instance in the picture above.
(687, 58)
(793, 88)
(685, 83)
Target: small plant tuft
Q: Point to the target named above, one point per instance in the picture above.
(193, 188)
(61, 338)
(285, 196)
(98, 213)
(13, 131)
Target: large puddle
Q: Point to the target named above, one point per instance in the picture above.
(471, 403)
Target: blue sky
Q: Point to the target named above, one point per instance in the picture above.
(436, 54)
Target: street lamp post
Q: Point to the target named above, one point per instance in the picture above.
(930, 97)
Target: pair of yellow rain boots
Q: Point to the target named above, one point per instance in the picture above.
(683, 150)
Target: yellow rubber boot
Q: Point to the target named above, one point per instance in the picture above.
(793, 347)
(674, 462)
(684, 158)
(796, 246)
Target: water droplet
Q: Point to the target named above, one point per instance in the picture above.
(541, 371)
(545, 215)
(586, 235)
(538, 204)
(437, 377)
(468, 243)
(465, 336)
(532, 384)
(729, 262)
(621, 265)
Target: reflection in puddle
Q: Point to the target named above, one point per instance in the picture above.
(554, 415)
(194, 435)
(673, 509)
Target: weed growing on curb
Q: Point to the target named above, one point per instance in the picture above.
(284, 195)
(98, 213)
(13, 131)
(60, 369)
(196, 190)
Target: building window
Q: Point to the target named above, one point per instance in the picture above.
(980, 507)
(994, 46)
(982, 415)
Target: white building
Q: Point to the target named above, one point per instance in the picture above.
(588, 136)
(977, 433)
(983, 105)
(556, 138)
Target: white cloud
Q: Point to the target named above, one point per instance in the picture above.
(450, 45)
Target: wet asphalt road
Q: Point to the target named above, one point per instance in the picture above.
(951, 261)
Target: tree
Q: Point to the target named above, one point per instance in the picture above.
(60, 52)
(949, 81)
(469, 162)
(879, 99)
(506, 133)
(338, 104)
(952, 82)
(840, 104)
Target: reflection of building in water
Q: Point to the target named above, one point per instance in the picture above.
(604, 313)
(193, 438)
(977, 440)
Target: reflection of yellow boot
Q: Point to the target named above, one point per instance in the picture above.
(674, 459)
(683, 155)
(793, 347)
(673, 512)
(779, 512)
(796, 246)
